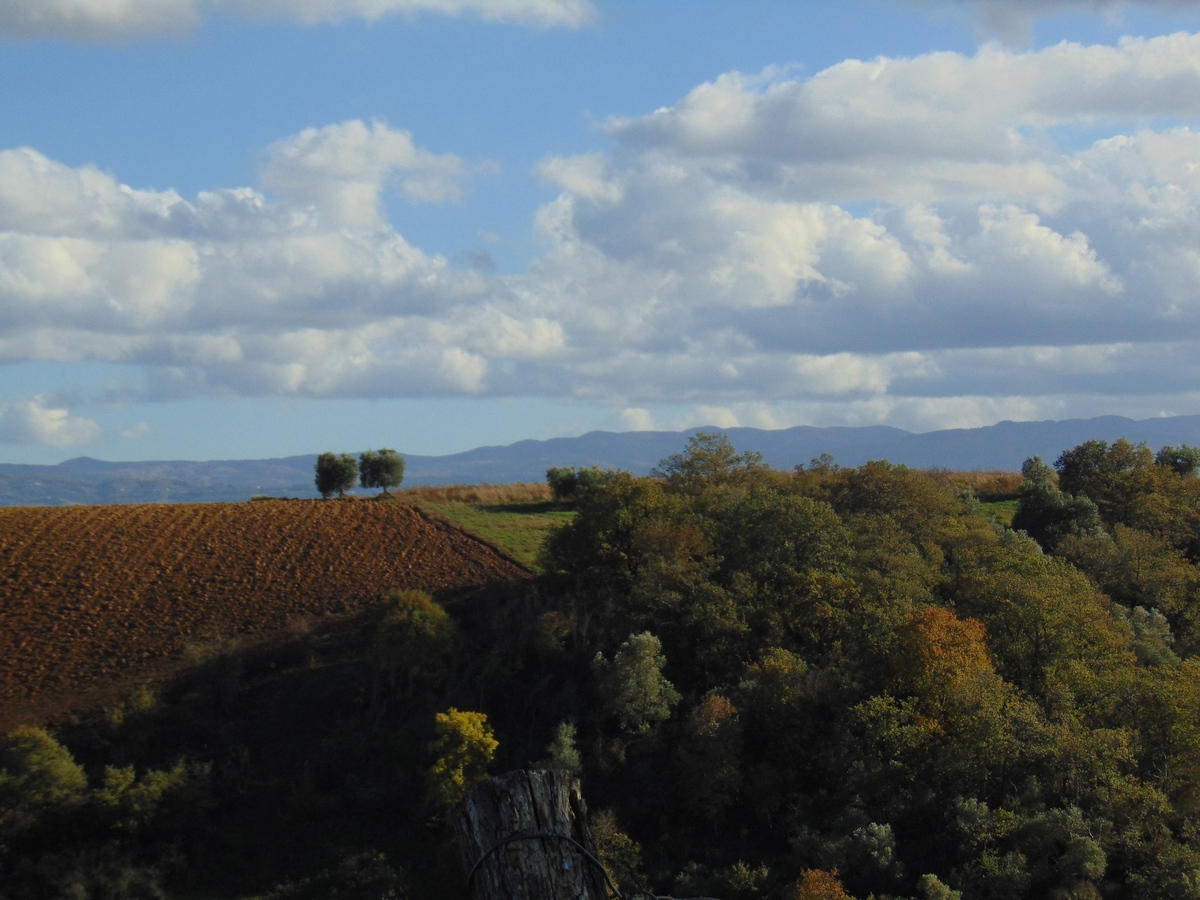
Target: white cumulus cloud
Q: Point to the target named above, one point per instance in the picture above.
(342, 170)
(941, 125)
(32, 421)
(904, 240)
(304, 290)
(794, 240)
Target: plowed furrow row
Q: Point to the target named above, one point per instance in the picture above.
(90, 594)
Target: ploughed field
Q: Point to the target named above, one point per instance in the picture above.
(98, 595)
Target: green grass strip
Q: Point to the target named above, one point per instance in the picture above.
(519, 529)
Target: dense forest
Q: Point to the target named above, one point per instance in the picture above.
(831, 682)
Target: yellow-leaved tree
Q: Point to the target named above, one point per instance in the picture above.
(464, 746)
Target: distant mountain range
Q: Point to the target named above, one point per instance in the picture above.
(1003, 446)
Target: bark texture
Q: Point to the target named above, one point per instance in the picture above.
(545, 813)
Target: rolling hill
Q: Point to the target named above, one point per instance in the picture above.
(1003, 446)
(95, 598)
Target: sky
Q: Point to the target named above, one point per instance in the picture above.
(260, 228)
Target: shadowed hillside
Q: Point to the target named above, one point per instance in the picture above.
(90, 596)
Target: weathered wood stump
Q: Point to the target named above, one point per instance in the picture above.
(524, 836)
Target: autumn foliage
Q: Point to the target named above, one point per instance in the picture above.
(818, 884)
(828, 683)
(943, 654)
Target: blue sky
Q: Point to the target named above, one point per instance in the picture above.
(235, 229)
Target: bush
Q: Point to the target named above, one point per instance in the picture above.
(414, 641)
(568, 484)
(37, 773)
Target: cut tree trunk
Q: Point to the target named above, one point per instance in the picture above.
(524, 836)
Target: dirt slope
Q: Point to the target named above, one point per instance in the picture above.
(102, 594)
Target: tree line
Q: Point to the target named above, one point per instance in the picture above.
(854, 682)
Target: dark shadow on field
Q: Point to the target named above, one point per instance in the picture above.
(310, 773)
(542, 508)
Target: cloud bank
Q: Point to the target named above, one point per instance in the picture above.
(919, 241)
(1013, 20)
(85, 21)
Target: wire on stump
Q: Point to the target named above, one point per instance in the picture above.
(587, 854)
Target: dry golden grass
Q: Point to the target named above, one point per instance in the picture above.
(992, 484)
(479, 494)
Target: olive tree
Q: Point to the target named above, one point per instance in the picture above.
(380, 469)
(336, 474)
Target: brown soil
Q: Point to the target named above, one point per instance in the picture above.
(95, 596)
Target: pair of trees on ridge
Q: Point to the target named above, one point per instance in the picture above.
(337, 473)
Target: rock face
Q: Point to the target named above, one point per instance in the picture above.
(524, 835)
(89, 594)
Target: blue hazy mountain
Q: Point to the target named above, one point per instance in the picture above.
(1002, 446)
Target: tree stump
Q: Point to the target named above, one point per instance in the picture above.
(524, 836)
